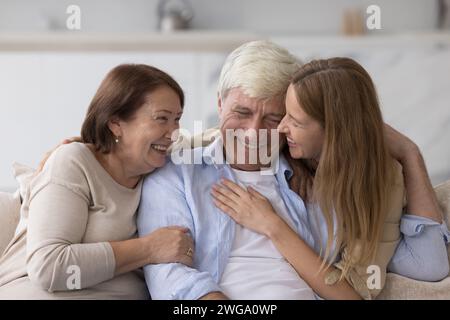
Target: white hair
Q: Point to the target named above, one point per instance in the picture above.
(261, 69)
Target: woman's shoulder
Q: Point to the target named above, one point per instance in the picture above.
(69, 154)
(68, 165)
(72, 150)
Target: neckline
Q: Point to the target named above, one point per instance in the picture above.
(252, 176)
(105, 173)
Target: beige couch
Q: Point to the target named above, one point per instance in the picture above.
(397, 287)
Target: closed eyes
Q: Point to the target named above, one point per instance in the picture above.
(243, 112)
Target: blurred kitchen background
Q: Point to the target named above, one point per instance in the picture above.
(48, 73)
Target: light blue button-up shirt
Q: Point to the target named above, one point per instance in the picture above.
(179, 194)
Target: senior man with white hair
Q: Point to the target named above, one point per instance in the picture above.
(231, 261)
(252, 88)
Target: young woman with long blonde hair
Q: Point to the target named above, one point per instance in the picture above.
(342, 157)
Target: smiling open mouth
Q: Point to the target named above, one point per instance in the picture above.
(160, 148)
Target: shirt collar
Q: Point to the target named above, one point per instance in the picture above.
(212, 154)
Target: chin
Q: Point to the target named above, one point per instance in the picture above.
(150, 170)
(154, 164)
(296, 154)
(160, 164)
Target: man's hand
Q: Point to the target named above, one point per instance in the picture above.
(47, 155)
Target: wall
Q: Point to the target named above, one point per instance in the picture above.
(292, 16)
(43, 96)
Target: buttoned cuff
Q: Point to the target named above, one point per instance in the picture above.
(413, 226)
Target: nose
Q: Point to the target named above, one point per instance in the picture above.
(171, 130)
(255, 124)
(282, 128)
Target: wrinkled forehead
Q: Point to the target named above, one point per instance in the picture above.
(236, 98)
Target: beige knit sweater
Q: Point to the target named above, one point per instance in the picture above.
(71, 211)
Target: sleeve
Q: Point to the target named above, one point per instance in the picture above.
(163, 204)
(369, 280)
(57, 222)
(422, 251)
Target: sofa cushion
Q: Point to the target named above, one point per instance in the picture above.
(402, 288)
(10, 204)
(9, 216)
(443, 196)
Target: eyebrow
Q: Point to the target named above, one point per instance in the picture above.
(168, 111)
(241, 107)
(272, 114)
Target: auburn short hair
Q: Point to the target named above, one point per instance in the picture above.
(121, 94)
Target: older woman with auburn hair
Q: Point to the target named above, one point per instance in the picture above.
(77, 237)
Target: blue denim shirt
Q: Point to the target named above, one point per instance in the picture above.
(179, 194)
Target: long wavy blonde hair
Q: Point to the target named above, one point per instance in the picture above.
(351, 181)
